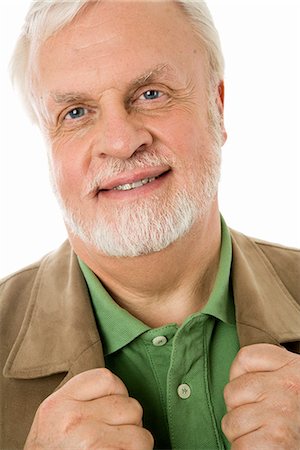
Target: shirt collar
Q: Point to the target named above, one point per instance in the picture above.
(118, 327)
(220, 303)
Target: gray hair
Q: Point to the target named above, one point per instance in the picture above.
(46, 17)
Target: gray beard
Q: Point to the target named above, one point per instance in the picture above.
(149, 225)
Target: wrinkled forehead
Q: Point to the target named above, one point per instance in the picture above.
(118, 41)
(107, 20)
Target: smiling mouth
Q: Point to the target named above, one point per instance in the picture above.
(135, 184)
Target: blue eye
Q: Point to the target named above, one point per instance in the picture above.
(152, 94)
(76, 113)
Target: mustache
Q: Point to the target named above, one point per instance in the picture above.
(114, 166)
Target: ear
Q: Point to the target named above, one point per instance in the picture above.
(220, 103)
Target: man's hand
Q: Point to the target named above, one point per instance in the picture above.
(263, 399)
(91, 411)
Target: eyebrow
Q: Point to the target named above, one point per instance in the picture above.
(153, 73)
(68, 97)
(149, 76)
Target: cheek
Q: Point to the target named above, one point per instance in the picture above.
(68, 165)
(187, 138)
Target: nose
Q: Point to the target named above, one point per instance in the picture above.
(120, 134)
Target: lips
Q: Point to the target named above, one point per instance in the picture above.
(136, 179)
(136, 184)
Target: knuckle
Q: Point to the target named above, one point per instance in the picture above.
(137, 407)
(48, 407)
(228, 427)
(249, 386)
(108, 378)
(94, 442)
(59, 414)
(227, 393)
(106, 374)
(230, 395)
(255, 385)
(224, 424)
(149, 438)
(54, 416)
(243, 355)
(140, 438)
(145, 440)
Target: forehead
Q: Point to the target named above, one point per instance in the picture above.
(115, 41)
(108, 18)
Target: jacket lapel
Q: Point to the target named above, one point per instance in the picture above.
(59, 332)
(265, 310)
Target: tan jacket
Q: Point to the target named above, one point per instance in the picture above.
(49, 334)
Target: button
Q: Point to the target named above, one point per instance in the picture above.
(158, 341)
(184, 391)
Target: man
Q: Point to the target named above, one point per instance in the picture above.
(151, 285)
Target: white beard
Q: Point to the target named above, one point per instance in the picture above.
(148, 225)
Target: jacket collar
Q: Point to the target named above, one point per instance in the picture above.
(265, 309)
(59, 332)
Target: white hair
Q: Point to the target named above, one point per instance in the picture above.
(46, 17)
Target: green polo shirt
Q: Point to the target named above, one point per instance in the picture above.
(177, 373)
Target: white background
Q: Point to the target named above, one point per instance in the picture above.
(260, 186)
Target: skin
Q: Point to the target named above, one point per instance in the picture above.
(262, 399)
(109, 49)
(91, 411)
(100, 55)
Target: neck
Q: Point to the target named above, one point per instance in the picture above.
(167, 286)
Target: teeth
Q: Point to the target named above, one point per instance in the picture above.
(128, 186)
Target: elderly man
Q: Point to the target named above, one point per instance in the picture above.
(154, 326)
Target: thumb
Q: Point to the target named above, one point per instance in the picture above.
(93, 384)
(259, 358)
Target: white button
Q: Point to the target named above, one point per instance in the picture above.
(158, 341)
(184, 391)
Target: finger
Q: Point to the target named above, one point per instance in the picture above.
(243, 420)
(114, 410)
(264, 439)
(248, 388)
(260, 358)
(129, 437)
(93, 384)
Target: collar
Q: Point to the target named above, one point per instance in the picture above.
(118, 327)
(266, 312)
(59, 332)
(220, 303)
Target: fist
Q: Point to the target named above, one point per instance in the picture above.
(91, 411)
(263, 399)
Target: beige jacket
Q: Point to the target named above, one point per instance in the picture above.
(49, 334)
